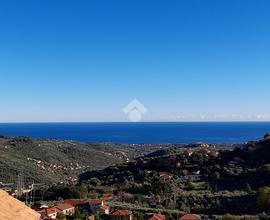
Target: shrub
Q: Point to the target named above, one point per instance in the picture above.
(266, 168)
(263, 198)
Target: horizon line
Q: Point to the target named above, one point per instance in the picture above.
(140, 122)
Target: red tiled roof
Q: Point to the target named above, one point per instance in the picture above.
(163, 173)
(190, 217)
(157, 217)
(121, 212)
(104, 207)
(75, 202)
(94, 201)
(106, 195)
(51, 210)
(64, 206)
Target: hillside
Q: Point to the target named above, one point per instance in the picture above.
(203, 180)
(54, 161)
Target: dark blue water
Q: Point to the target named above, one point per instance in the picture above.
(186, 132)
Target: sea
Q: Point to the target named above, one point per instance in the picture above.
(142, 132)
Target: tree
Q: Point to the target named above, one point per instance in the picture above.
(80, 215)
(216, 175)
(60, 216)
(266, 168)
(138, 216)
(263, 198)
(198, 157)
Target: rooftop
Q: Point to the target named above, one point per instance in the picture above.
(64, 206)
(190, 217)
(121, 212)
(157, 217)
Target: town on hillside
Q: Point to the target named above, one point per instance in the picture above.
(198, 181)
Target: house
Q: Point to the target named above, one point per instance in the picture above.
(165, 175)
(188, 152)
(77, 203)
(156, 217)
(104, 209)
(51, 212)
(190, 217)
(121, 215)
(66, 209)
(91, 205)
(94, 205)
(107, 196)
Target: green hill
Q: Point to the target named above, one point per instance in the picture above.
(54, 161)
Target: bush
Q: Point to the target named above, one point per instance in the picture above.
(216, 175)
(266, 168)
(263, 198)
(60, 216)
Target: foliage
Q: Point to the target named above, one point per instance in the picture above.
(263, 198)
(80, 215)
(138, 216)
(60, 216)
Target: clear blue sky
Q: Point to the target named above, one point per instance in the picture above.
(85, 60)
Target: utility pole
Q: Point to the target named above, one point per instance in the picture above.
(20, 185)
(33, 192)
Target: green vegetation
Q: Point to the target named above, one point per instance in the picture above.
(210, 181)
(263, 198)
(53, 161)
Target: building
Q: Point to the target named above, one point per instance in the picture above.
(107, 196)
(94, 205)
(66, 209)
(77, 203)
(91, 205)
(165, 175)
(104, 209)
(190, 217)
(155, 217)
(188, 152)
(51, 212)
(121, 215)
